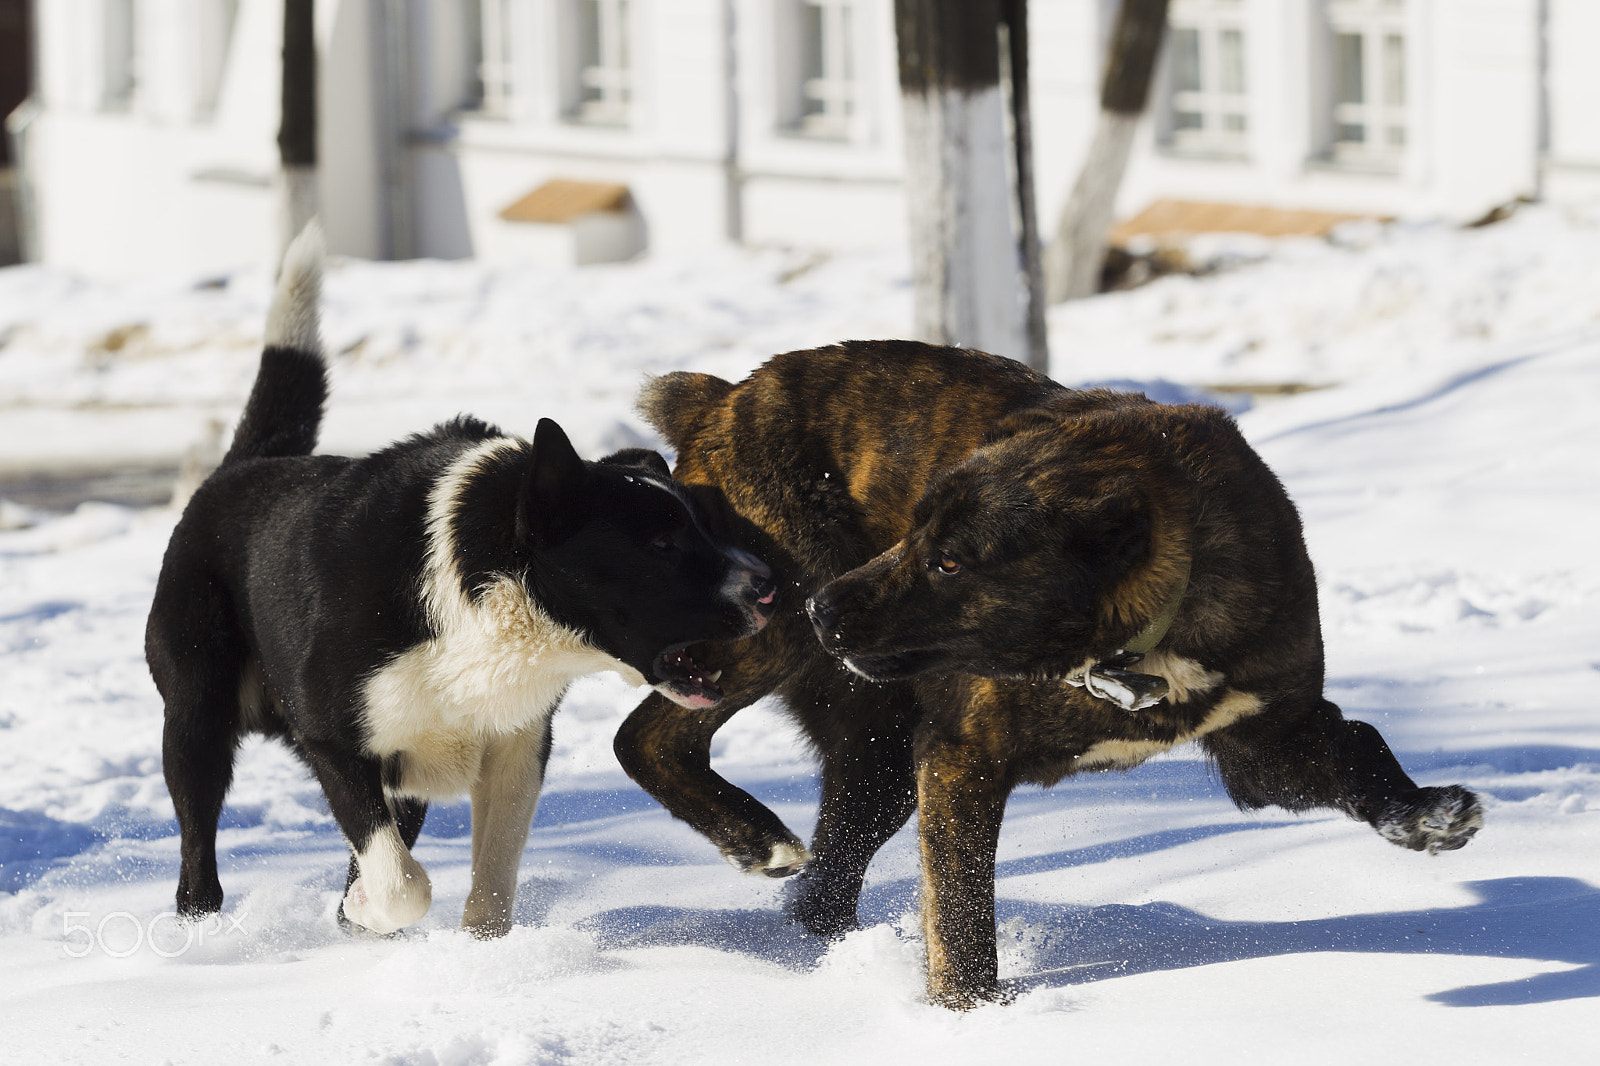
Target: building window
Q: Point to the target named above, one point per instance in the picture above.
(1208, 108)
(117, 58)
(823, 94)
(601, 80)
(1369, 81)
(557, 60)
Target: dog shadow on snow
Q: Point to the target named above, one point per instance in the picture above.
(1542, 920)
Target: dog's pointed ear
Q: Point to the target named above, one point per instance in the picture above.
(641, 458)
(547, 509)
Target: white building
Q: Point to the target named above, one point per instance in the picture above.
(153, 139)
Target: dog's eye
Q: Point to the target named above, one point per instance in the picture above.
(947, 565)
(664, 543)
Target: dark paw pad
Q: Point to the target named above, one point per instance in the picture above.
(1431, 819)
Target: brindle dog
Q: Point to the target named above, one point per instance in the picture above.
(970, 557)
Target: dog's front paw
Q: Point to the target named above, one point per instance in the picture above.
(824, 906)
(782, 858)
(390, 908)
(486, 917)
(1431, 819)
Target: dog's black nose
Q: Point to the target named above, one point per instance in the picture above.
(823, 612)
(762, 587)
(759, 584)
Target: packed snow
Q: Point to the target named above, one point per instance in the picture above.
(1427, 393)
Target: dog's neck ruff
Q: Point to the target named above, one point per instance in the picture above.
(1111, 679)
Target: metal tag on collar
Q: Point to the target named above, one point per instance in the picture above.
(1127, 689)
(1112, 681)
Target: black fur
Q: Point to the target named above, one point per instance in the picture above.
(293, 583)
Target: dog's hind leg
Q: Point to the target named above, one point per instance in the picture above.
(505, 798)
(864, 732)
(197, 749)
(196, 659)
(1317, 758)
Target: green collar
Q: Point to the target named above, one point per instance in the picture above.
(1150, 636)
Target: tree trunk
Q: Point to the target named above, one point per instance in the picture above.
(297, 130)
(1073, 261)
(1015, 16)
(966, 275)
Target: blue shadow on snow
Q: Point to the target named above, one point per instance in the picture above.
(1539, 919)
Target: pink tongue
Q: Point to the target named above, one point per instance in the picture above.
(692, 700)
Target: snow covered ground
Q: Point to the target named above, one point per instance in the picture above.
(1449, 475)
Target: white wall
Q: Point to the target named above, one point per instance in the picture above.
(672, 155)
(154, 187)
(1573, 85)
(162, 184)
(1484, 104)
(805, 190)
(1472, 88)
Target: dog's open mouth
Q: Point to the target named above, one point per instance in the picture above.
(684, 681)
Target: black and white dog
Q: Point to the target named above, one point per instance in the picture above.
(408, 621)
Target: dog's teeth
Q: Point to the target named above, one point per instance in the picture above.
(714, 677)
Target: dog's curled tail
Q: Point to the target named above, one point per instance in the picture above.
(284, 411)
(676, 403)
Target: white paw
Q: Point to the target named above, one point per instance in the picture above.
(392, 890)
(390, 911)
(783, 860)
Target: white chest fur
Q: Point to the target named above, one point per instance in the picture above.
(500, 670)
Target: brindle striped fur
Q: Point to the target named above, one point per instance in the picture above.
(858, 471)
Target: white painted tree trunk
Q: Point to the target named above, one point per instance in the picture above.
(298, 201)
(1073, 261)
(967, 287)
(297, 121)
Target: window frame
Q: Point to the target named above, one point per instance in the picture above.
(602, 92)
(824, 103)
(1384, 108)
(1210, 21)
